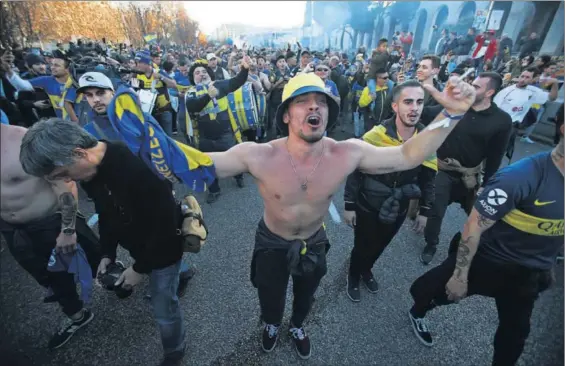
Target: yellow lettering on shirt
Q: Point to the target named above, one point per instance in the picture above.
(534, 225)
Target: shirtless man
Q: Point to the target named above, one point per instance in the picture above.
(37, 216)
(297, 177)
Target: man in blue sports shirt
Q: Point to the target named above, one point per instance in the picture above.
(508, 248)
(59, 86)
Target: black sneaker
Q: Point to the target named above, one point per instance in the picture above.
(212, 197)
(239, 182)
(353, 289)
(370, 283)
(184, 278)
(428, 254)
(175, 358)
(420, 327)
(69, 329)
(301, 342)
(270, 337)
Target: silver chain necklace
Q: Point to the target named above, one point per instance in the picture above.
(304, 185)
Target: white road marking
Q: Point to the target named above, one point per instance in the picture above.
(334, 213)
(92, 220)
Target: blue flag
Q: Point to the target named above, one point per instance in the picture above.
(144, 136)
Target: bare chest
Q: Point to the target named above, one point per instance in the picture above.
(11, 171)
(282, 182)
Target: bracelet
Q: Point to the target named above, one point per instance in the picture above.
(453, 118)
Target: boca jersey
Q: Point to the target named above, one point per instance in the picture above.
(526, 201)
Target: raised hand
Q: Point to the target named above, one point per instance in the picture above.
(246, 62)
(212, 91)
(457, 97)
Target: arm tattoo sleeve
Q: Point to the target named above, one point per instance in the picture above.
(69, 208)
(462, 261)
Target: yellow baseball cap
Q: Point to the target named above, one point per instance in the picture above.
(304, 84)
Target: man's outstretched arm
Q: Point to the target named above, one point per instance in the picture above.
(456, 99)
(234, 161)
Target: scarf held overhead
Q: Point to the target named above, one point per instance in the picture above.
(143, 135)
(378, 137)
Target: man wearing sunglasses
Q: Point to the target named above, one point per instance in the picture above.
(323, 71)
(376, 110)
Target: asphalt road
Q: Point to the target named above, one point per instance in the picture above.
(221, 310)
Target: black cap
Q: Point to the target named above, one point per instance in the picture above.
(33, 59)
(60, 54)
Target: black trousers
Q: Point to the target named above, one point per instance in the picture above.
(370, 240)
(514, 288)
(271, 128)
(33, 249)
(224, 143)
(270, 274)
(250, 134)
(557, 135)
(448, 189)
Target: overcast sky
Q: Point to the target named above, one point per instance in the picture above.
(211, 14)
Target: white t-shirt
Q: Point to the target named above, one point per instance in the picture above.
(517, 101)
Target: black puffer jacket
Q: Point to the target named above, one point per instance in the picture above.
(368, 192)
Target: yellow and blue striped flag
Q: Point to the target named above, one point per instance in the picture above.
(150, 38)
(144, 136)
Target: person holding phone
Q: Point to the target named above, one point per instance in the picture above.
(34, 105)
(59, 86)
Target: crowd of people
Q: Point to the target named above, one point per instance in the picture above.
(124, 124)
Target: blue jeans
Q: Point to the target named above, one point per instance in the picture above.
(166, 309)
(165, 119)
(372, 84)
(531, 128)
(184, 265)
(358, 124)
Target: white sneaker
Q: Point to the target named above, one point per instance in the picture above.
(527, 140)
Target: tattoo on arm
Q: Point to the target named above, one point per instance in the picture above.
(462, 261)
(69, 208)
(476, 225)
(485, 223)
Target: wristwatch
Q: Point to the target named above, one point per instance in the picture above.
(69, 231)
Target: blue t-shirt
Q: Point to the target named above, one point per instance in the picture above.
(331, 88)
(57, 92)
(181, 79)
(3, 118)
(526, 201)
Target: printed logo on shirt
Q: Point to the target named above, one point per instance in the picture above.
(538, 203)
(488, 209)
(497, 197)
(52, 260)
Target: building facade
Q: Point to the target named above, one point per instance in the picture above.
(428, 18)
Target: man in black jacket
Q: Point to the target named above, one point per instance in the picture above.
(207, 102)
(135, 208)
(376, 205)
(482, 135)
